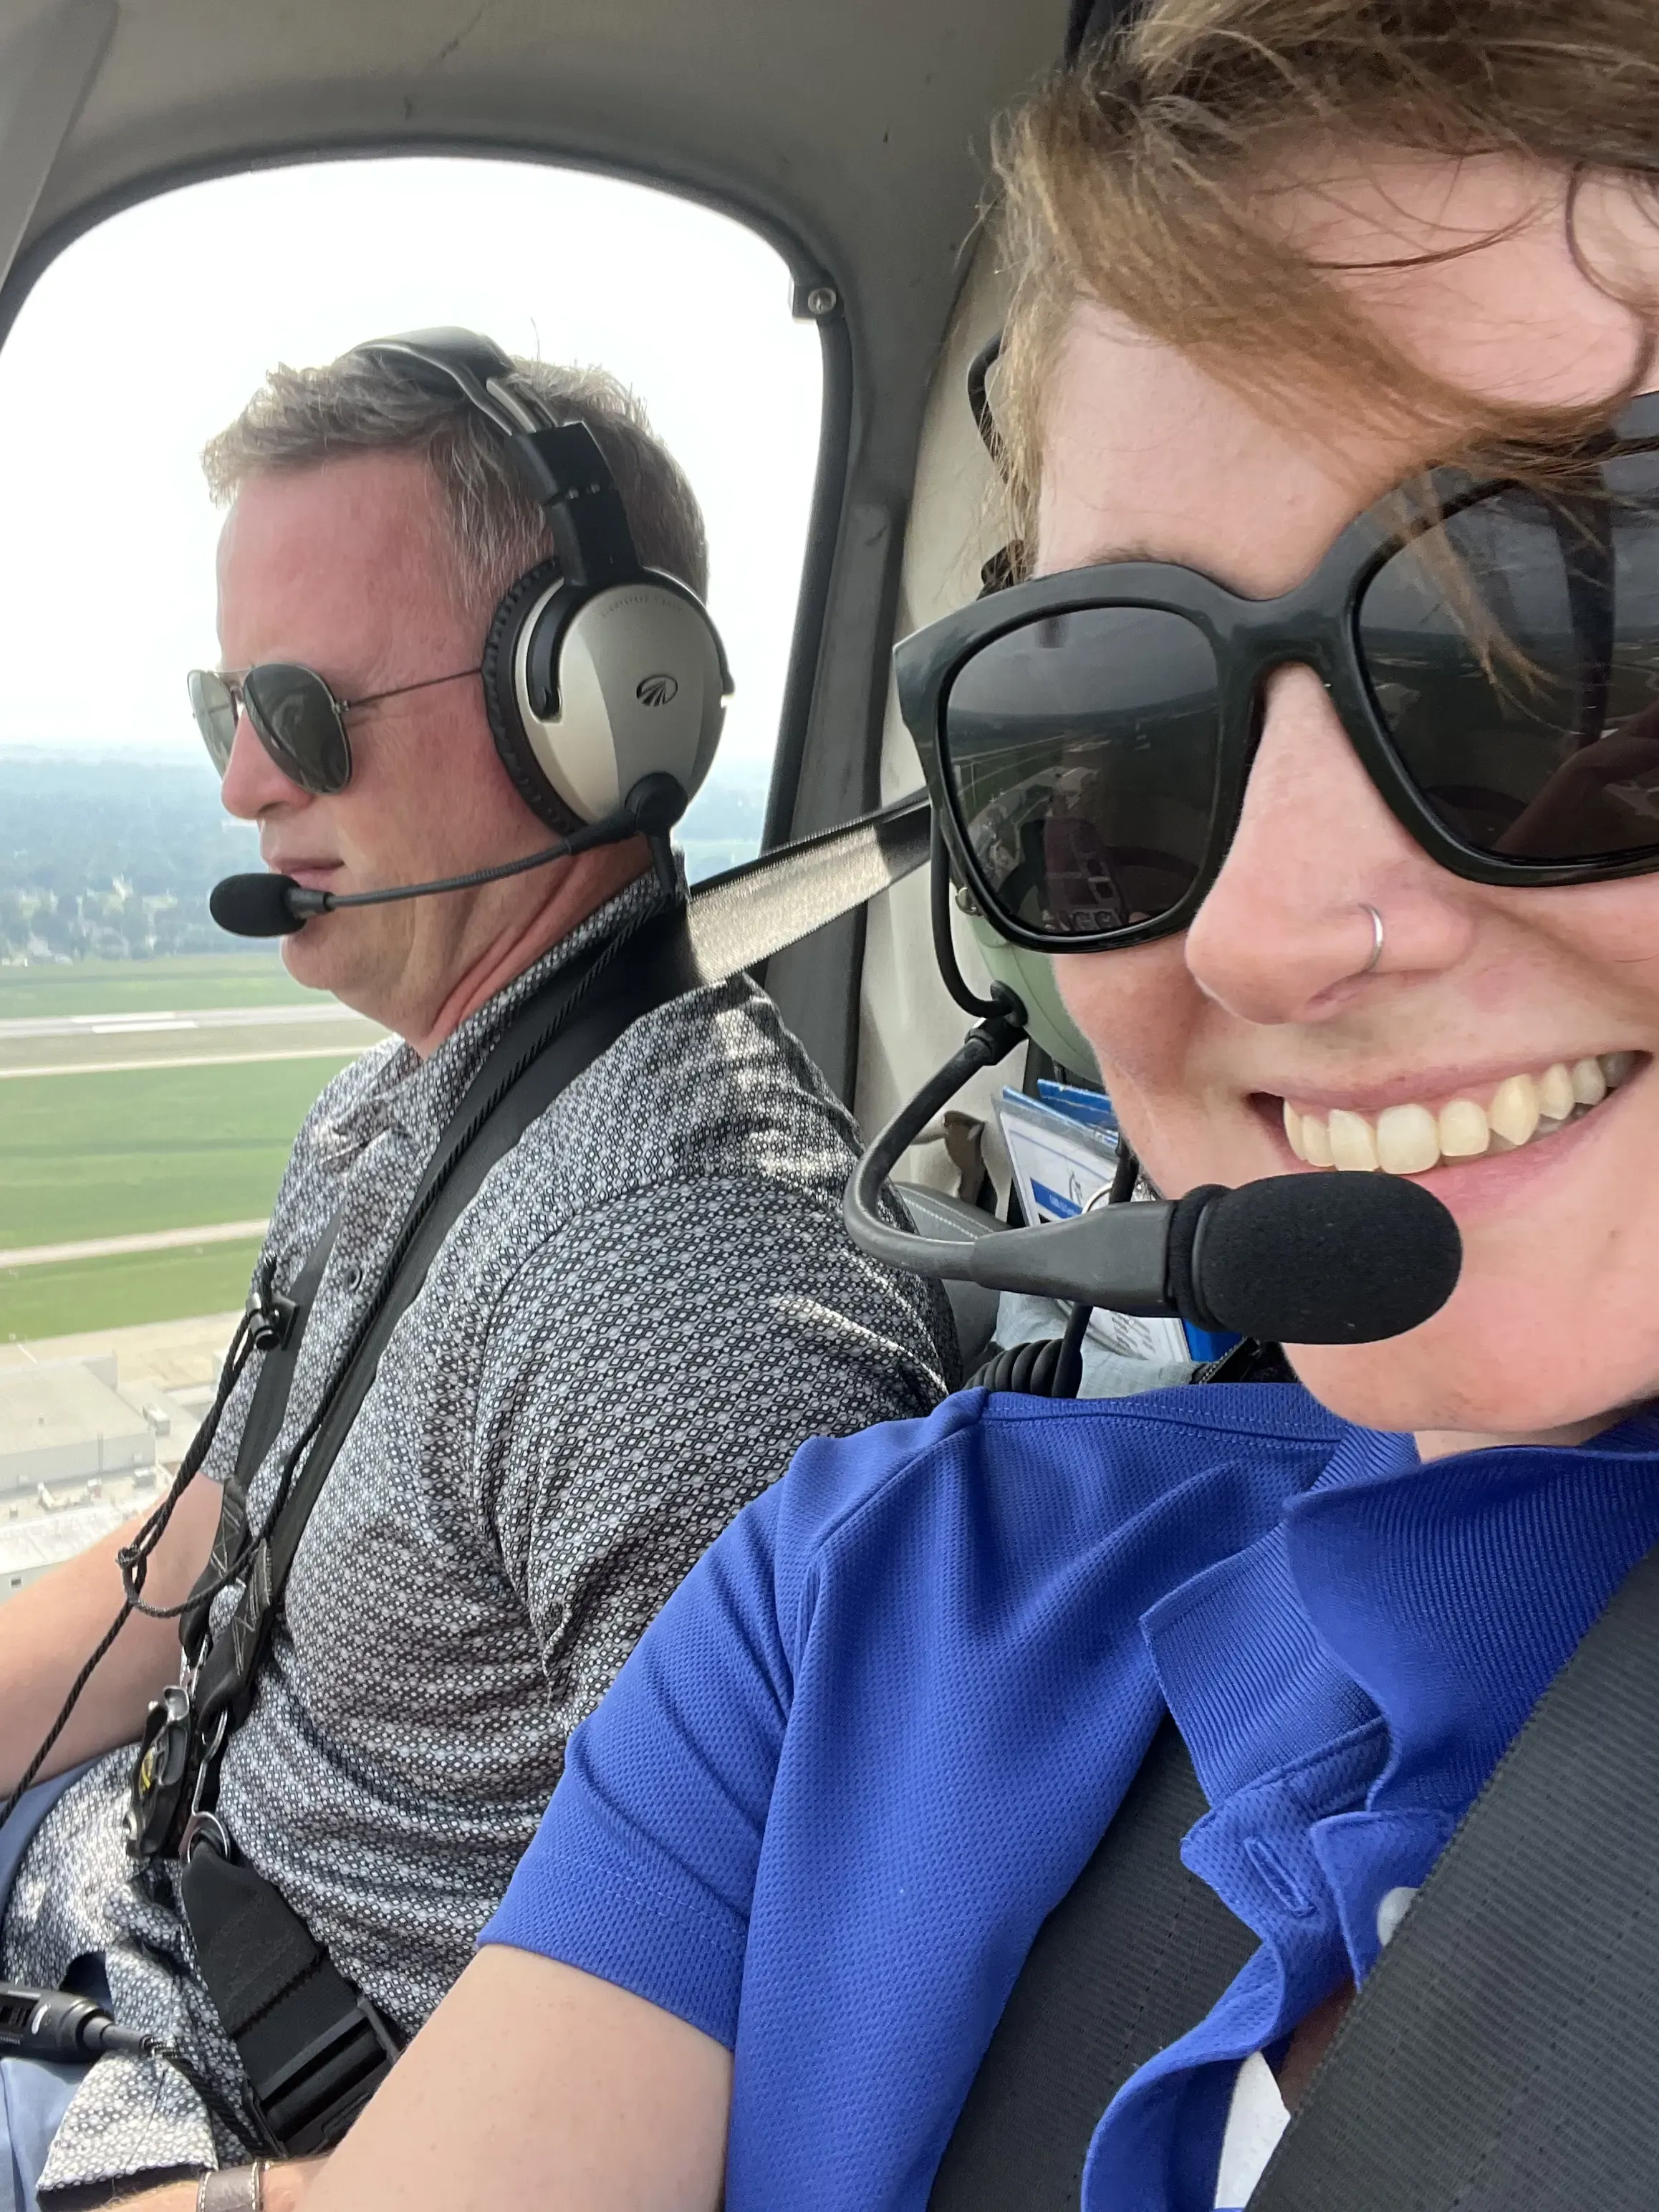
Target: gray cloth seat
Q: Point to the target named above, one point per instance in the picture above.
(973, 1307)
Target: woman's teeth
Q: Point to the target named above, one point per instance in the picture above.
(1411, 1139)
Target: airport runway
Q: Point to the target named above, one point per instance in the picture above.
(201, 1017)
(212, 1036)
(113, 1248)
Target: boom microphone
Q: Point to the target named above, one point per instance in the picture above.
(1316, 1258)
(1297, 1259)
(264, 905)
(255, 905)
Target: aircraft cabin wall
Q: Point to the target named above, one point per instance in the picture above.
(908, 1024)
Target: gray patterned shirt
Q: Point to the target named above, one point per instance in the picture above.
(648, 1305)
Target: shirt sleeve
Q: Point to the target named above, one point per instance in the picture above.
(651, 1369)
(643, 1871)
(643, 1868)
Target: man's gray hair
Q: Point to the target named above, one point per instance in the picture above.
(364, 403)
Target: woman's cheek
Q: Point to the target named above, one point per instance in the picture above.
(1138, 1008)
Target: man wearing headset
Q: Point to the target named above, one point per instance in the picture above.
(648, 1305)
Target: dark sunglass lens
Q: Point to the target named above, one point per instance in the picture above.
(1513, 651)
(294, 716)
(214, 706)
(1081, 752)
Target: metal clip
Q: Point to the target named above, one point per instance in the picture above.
(204, 1825)
(159, 1772)
(210, 1750)
(204, 1828)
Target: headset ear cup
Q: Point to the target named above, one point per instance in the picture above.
(498, 669)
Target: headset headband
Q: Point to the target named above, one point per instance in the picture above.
(477, 369)
(562, 462)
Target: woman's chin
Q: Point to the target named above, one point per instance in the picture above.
(1496, 1382)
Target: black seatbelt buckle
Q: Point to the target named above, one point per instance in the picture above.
(314, 2049)
(310, 2101)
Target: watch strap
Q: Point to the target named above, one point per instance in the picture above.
(232, 2188)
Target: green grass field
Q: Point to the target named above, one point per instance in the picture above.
(140, 1286)
(120, 1155)
(85, 1156)
(133, 987)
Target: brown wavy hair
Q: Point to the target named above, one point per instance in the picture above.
(1134, 180)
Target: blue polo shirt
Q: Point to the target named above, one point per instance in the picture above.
(877, 1733)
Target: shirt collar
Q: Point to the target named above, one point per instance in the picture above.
(1345, 1683)
(1444, 1598)
(1453, 1594)
(415, 1098)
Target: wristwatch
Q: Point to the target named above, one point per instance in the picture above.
(232, 2188)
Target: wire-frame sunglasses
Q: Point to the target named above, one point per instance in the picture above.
(294, 714)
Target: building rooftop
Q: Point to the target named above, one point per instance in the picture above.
(29, 1547)
(56, 1415)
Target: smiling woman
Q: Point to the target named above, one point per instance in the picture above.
(1494, 971)
(1316, 749)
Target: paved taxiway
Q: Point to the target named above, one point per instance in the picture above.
(212, 1036)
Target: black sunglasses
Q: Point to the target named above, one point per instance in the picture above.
(294, 714)
(1493, 651)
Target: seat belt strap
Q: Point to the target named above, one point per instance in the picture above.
(1136, 1952)
(314, 2047)
(740, 919)
(259, 1431)
(1502, 2054)
(552, 1042)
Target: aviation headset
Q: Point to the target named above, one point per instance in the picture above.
(596, 671)
(1029, 976)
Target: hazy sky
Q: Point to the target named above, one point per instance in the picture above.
(146, 335)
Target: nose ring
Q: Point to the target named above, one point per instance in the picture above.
(1377, 936)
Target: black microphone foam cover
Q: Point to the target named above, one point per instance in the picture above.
(1325, 1258)
(255, 906)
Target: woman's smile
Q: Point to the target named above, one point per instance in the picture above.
(1471, 1120)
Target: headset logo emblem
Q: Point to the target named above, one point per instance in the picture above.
(656, 691)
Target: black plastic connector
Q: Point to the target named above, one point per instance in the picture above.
(569, 476)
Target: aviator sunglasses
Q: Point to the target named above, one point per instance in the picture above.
(294, 714)
(1492, 651)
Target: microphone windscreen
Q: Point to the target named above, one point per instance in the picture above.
(1325, 1258)
(255, 906)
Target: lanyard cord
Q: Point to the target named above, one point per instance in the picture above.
(534, 1047)
(134, 1559)
(255, 1331)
